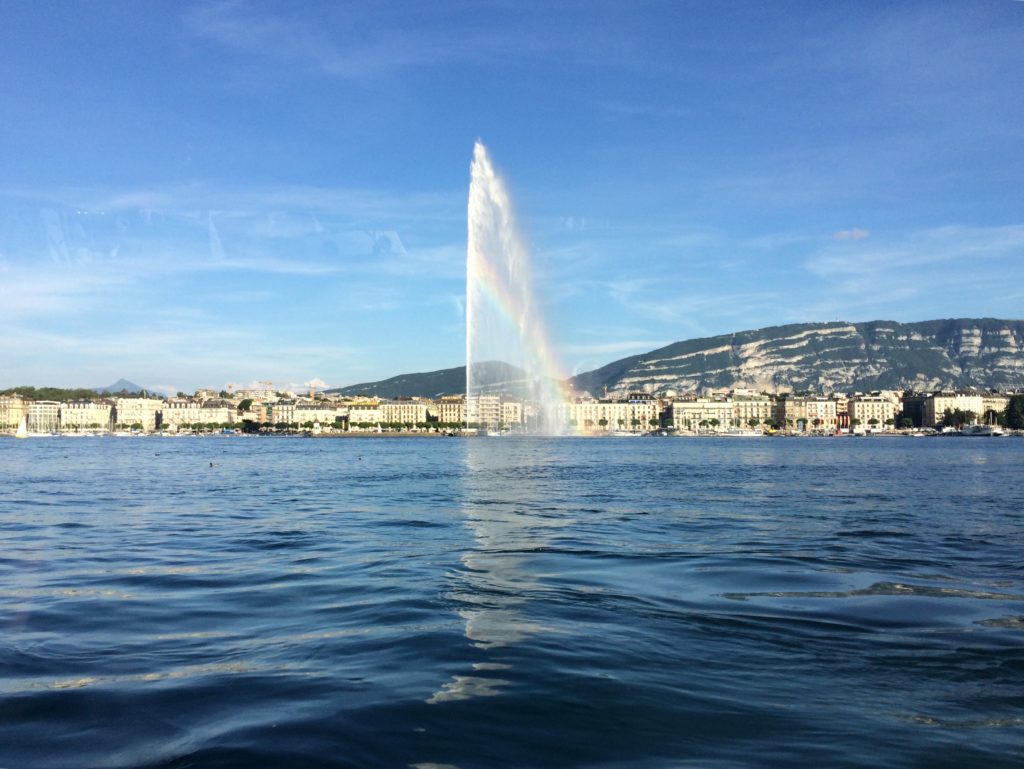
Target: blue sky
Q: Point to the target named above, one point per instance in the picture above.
(193, 194)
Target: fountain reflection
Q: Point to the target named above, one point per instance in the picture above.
(507, 509)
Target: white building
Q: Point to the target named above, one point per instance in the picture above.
(43, 416)
(873, 412)
(936, 405)
(451, 409)
(86, 415)
(606, 415)
(410, 412)
(13, 408)
(364, 414)
(137, 411)
(695, 414)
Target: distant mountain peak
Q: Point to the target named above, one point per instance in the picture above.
(121, 385)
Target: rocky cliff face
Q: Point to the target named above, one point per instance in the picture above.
(930, 355)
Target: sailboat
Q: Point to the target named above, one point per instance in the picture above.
(22, 431)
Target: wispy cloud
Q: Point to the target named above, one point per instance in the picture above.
(961, 250)
(362, 44)
(855, 234)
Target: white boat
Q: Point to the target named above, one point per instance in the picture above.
(982, 431)
(22, 431)
(740, 432)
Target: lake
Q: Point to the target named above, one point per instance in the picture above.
(511, 602)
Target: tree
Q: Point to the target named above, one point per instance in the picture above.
(603, 422)
(1014, 414)
(714, 422)
(873, 422)
(753, 422)
(906, 423)
(245, 405)
(653, 422)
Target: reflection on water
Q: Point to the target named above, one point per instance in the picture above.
(500, 488)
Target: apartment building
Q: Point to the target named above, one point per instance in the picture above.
(86, 414)
(874, 412)
(13, 408)
(406, 412)
(137, 411)
(689, 413)
(43, 416)
(935, 406)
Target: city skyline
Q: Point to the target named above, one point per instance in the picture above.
(210, 192)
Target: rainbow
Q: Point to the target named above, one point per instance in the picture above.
(500, 310)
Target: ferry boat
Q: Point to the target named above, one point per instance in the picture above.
(982, 431)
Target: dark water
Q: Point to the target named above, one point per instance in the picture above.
(502, 602)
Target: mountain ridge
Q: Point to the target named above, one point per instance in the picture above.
(834, 356)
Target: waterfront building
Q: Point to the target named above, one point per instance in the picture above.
(363, 414)
(608, 414)
(822, 414)
(751, 406)
(409, 412)
(218, 412)
(695, 414)
(843, 414)
(791, 413)
(86, 414)
(281, 411)
(43, 416)
(805, 414)
(451, 409)
(512, 413)
(324, 412)
(936, 405)
(912, 407)
(13, 408)
(176, 412)
(993, 402)
(484, 409)
(184, 412)
(872, 412)
(137, 411)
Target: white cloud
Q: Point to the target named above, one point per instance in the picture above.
(854, 234)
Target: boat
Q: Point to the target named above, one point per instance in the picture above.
(739, 432)
(22, 431)
(982, 431)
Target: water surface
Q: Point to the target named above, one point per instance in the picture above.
(243, 602)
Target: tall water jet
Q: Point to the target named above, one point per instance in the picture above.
(507, 349)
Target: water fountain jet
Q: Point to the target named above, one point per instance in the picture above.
(507, 348)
